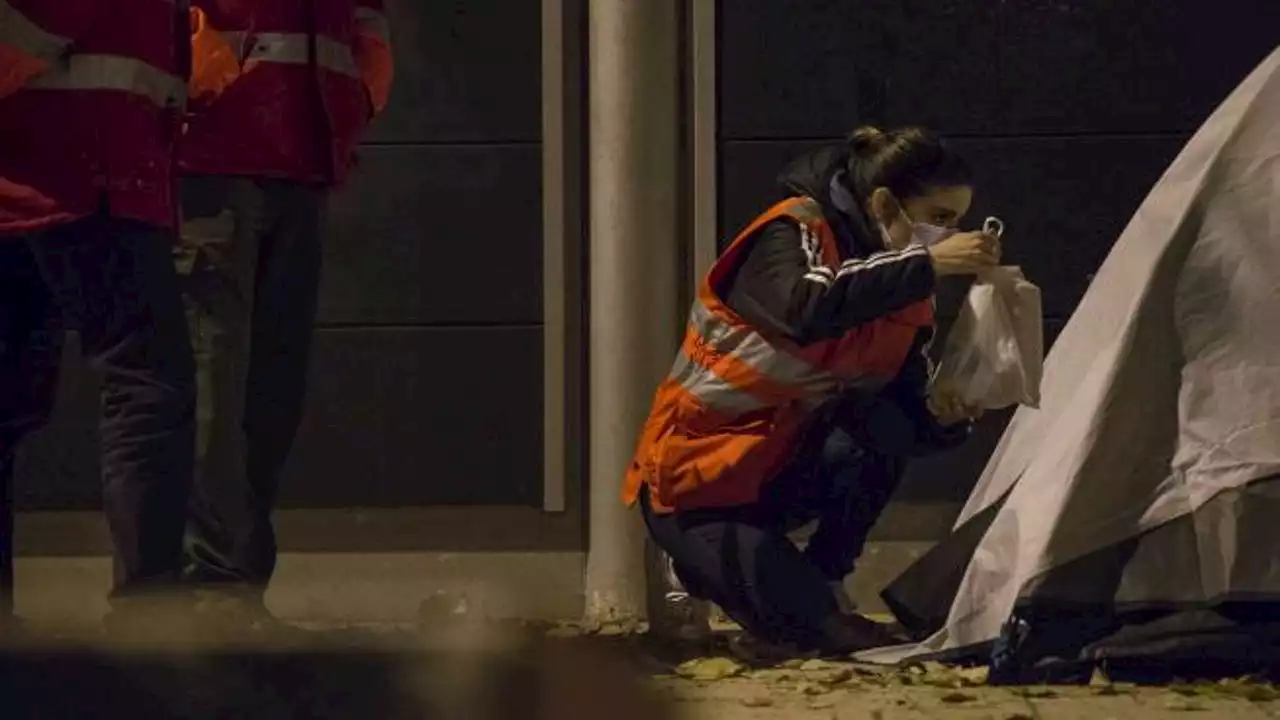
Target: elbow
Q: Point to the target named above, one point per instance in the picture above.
(376, 71)
(808, 316)
(16, 69)
(374, 56)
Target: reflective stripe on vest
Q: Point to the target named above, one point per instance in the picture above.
(18, 31)
(811, 385)
(374, 23)
(295, 49)
(113, 72)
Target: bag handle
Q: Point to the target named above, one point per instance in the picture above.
(993, 226)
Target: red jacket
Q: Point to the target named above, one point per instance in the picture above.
(284, 88)
(90, 98)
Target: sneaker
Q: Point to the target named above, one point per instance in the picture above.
(237, 616)
(853, 633)
(755, 651)
(674, 614)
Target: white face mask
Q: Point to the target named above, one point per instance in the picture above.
(921, 234)
(929, 235)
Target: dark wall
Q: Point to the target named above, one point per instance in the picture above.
(1068, 109)
(426, 378)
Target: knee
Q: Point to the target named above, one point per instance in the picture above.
(167, 391)
(840, 449)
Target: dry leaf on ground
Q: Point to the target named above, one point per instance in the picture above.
(1184, 704)
(712, 668)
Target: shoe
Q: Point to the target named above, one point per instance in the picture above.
(755, 651)
(234, 616)
(853, 633)
(674, 614)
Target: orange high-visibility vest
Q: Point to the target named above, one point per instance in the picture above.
(91, 96)
(283, 88)
(730, 413)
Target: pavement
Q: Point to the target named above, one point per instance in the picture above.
(416, 634)
(830, 691)
(452, 666)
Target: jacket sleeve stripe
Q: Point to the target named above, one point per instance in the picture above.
(881, 259)
(817, 271)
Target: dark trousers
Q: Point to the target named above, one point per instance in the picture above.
(113, 280)
(741, 558)
(250, 268)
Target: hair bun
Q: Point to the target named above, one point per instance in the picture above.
(866, 140)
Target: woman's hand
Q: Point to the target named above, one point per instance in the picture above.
(949, 408)
(965, 253)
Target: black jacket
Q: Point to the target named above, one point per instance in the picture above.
(776, 289)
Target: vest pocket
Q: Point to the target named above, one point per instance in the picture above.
(729, 458)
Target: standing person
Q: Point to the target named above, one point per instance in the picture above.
(90, 107)
(280, 93)
(803, 384)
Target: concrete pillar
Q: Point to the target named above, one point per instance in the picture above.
(635, 270)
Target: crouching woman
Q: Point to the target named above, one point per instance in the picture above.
(802, 386)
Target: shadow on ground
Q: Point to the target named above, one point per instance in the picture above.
(456, 675)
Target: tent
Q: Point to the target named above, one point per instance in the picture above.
(1134, 519)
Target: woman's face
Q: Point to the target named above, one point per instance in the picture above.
(940, 206)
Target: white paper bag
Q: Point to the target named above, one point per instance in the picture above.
(994, 355)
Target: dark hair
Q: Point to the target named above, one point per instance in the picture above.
(909, 161)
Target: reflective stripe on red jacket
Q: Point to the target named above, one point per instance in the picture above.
(90, 101)
(737, 400)
(282, 88)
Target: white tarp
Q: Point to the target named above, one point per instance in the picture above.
(1162, 390)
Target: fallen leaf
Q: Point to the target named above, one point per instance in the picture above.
(714, 668)
(1099, 679)
(1039, 692)
(809, 688)
(1183, 704)
(1260, 693)
(835, 677)
(957, 697)
(1019, 716)
(974, 676)
(565, 631)
(758, 701)
(821, 704)
(1247, 688)
(771, 676)
(932, 667)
